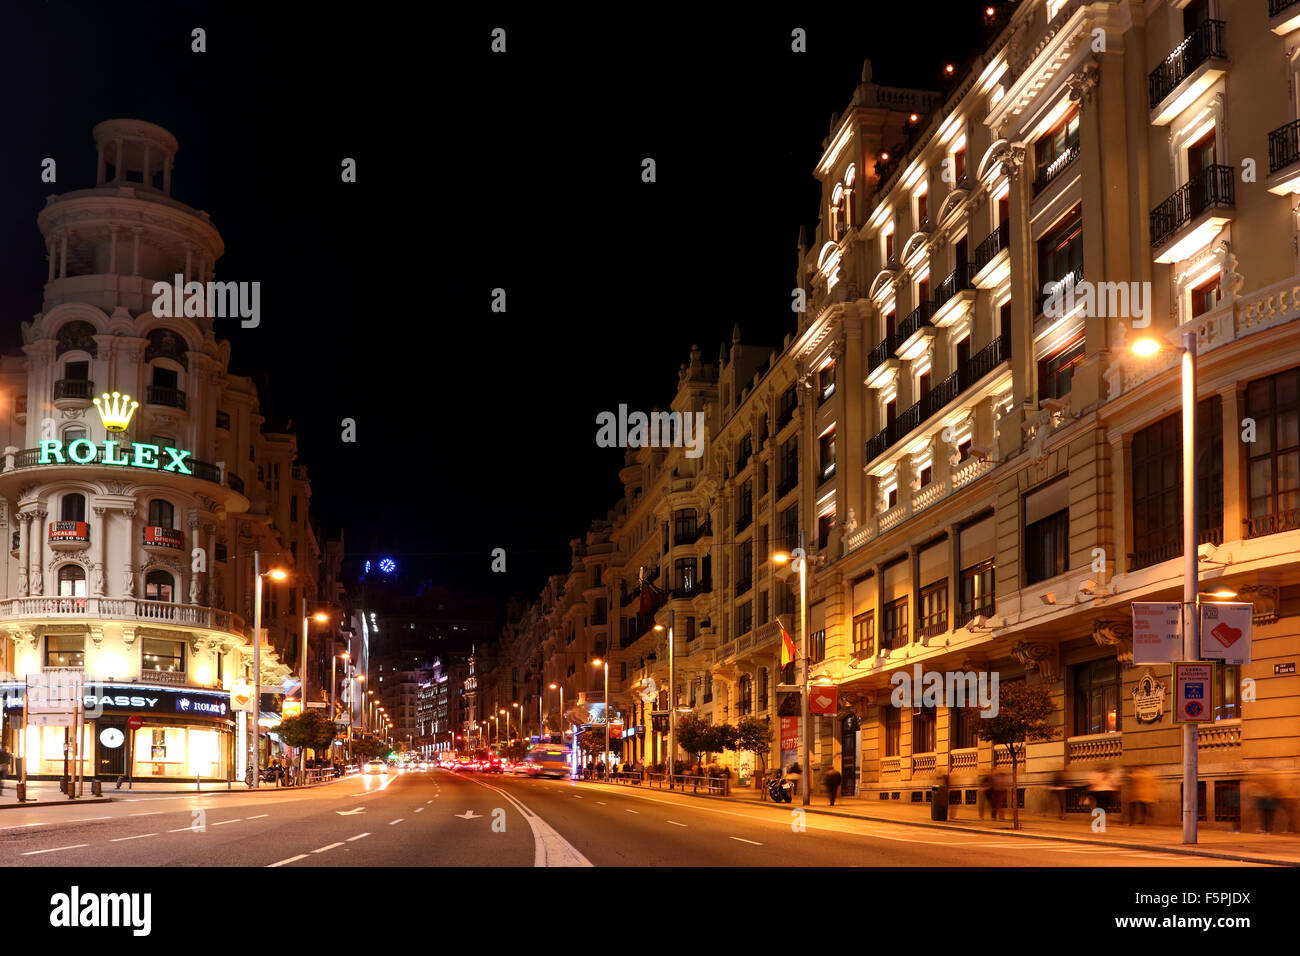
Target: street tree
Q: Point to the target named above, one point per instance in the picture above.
(755, 734)
(1024, 713)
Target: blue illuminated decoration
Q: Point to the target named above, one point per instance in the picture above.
(367, 567)
(387, 565)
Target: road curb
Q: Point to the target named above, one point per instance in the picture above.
(1161, 848)
(62, 802)
(120, 794)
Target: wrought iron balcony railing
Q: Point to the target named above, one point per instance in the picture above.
(1213, 187)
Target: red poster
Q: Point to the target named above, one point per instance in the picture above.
(789, 734)
(823, 700)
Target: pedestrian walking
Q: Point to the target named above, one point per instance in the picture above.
(986, 793)
(1266, 800)
(1001, 787)
(1060, 787)
(1141, 794)
(833, 780)
(5, 757)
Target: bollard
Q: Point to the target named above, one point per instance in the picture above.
(196, 783)
(95, 788)
(22, 792)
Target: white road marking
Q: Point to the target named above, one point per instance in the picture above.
(137, 837)
(743, 840)
(300, 856)
(223, 822)
(428, 801)
(398, 820)
(632, 811)
(84, 819)
(675, 823)
(259, 816)
(147, 813)
(75, 846)
(357, 837)
(602, 803)
(419, 809)
(324, 848)
(550, 849)
(183, 829)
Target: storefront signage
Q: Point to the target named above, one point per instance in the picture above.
(69, 531)
(823, 700)
(1149, 699)
(1287, 668)
(83, 451)
(1225, 631)
(159, 537)
(117, 698)
(1157, 633)
(1193, 692)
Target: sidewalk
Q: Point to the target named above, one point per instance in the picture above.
(1281, 849)
(41, 793)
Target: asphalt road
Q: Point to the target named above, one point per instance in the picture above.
(438, 818)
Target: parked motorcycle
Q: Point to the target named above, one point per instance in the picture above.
(781, 790)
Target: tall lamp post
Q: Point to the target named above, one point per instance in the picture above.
(598, 662)
(672, 696)
(560, 688)
(520, 715)
(801, 559)
(276, 575)
(1191, 618)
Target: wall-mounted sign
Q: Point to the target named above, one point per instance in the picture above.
(156, 536)
(1287, 668)
(1157, 633)
(1226, 631)
(117, 698)
(83, 451)
(1149, 699)
(69, 531)
(823, 700)
(1193, 692)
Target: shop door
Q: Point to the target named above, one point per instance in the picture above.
(850, 742)
(110, 749)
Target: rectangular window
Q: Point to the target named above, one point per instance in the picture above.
(1273, 458)
(788, 470)
(65, 651)
(293, 508)
(893, 721)
(825, 383)
(1060, 252)
(1056, 370)
(1097, 688)
(817, 646)
(1057, 142)
(825, 524)
(684, 526)
(1205, 296)
(745, 506)
(864, 634)
(977, 592)
(160, 655)
(1227, 691)
(1157, 484)
(788, 536)
(826, 455)
(923, 730)
(744, 567)
(1047, 547)
(745, 617)
(961, 729)
(786, 406)
(893, 630)
(933, 611)
(684, 575)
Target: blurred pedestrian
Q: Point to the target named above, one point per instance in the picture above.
(1141, 794)
(1001, 787)
(832, 781)
(1267, 798)
(986, 793)
(1060, 787)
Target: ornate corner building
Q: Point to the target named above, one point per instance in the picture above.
(138, 479)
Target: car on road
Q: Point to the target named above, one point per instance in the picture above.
(375, 766)
(493, 765)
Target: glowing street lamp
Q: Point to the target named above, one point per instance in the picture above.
(1146, 347)
(598, 662)
(275, 574)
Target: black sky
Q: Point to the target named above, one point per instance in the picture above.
(476, 171)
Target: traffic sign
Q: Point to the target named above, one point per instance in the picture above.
(135, 723)
(1193, 692)
(1226, 631)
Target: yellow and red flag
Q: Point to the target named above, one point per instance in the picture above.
(788, 650)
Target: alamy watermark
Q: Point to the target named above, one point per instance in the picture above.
(924, 688)
(655, 430)
(214, 300)
(1116, 300)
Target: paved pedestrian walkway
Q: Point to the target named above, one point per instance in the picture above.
(46, 792)
(1279, 848)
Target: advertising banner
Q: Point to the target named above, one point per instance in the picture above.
(159, 537)
(1157, 633)
(823, 700)
(1226, 631)
(789, 741)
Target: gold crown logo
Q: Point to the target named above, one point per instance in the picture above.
(114, 411)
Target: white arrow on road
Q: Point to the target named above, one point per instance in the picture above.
(468, 815)
(348, 813)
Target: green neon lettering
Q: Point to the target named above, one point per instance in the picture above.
(146, 456)
(79, 458)
(177, 463)
(110, 455)
(51, 450)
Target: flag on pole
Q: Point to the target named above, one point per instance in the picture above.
(788, 651)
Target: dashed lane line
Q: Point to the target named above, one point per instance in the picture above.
(224, 822)
(398, 820)
(56, 849)
(138, 836)
(675, 823)
(329, 847)
(259, 816)
(300, 856)
(357, 837)
(743, 840)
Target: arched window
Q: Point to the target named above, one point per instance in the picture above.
(73, 507)
(161, 513)
(72, 579)
(159, 586)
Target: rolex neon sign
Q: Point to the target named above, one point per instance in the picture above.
(83, 451)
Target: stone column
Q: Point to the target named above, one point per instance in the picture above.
(24, 550)
(914, 586)
(128, 566)
(63, 255)
(1234, 471)
(879, 624)
(954, 576)
(52, 255)
(112, 250)
(101, 537)
(38, 552)
(135, 250)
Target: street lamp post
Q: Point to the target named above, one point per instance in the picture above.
(1191, 575)
(277, 575)
(605, 662)
(672, 696)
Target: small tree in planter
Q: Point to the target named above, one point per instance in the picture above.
(753, 733)
(1024, 713)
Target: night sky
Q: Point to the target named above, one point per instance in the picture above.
(475, 171)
